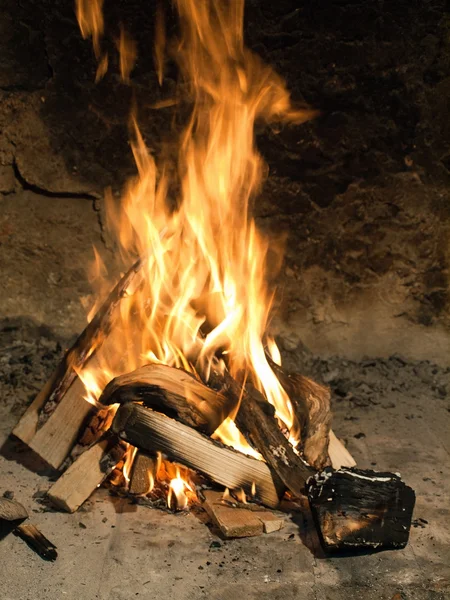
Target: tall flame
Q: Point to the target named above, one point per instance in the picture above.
(205, 288)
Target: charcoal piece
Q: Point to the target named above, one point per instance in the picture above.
(357, 509)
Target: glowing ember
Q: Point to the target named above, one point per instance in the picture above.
(204, 292)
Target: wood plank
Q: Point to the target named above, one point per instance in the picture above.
(54, 440)
(84, 476)
(239, 522)
(152, 431)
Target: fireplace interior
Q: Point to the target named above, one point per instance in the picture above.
(354, 194)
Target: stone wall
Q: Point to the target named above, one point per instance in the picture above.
(362, 192)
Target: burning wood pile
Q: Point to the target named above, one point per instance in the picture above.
(175, 376)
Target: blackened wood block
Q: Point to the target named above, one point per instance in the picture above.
(357, 509)
(154, 432)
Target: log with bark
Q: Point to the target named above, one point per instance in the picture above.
(256, 420)
(173, 392)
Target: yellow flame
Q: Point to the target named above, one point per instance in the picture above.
(240, 496)
(204, 290)
(177, 498)
(229, 434)
(129, 458)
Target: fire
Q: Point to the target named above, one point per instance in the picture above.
(177, 498)
(129, 458)
(205, 289)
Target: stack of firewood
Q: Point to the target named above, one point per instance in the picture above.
(165, 410)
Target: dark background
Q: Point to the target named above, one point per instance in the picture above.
(362, 192)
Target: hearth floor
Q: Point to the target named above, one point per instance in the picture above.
(114, 550)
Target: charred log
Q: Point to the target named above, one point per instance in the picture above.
(256, 420)
(357, 509)
(174, 392)
(311, 405)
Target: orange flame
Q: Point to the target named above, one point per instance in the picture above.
(128, 52)
(90, 19)
(205, 288)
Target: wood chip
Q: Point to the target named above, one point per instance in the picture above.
(239, 522)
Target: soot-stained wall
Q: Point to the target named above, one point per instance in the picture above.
(362, 191)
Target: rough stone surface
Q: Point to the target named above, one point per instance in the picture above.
(392, 413)
(361, 192)
(45, 251)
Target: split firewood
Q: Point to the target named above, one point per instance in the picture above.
(12, 516)
(152, 431)
(311, 405)
(256, 420)
(339, 455)
(84, 476)
(239, 522)
(355, 508)
(143, 472)
(173, 392)
(76, 357)
(56, 438)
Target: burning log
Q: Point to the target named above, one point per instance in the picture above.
(85, 475)
(173, 392)
(256, 420)
(311, 405)
(152, 431)
(353, 508)
(65, 376)
(143, 473)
